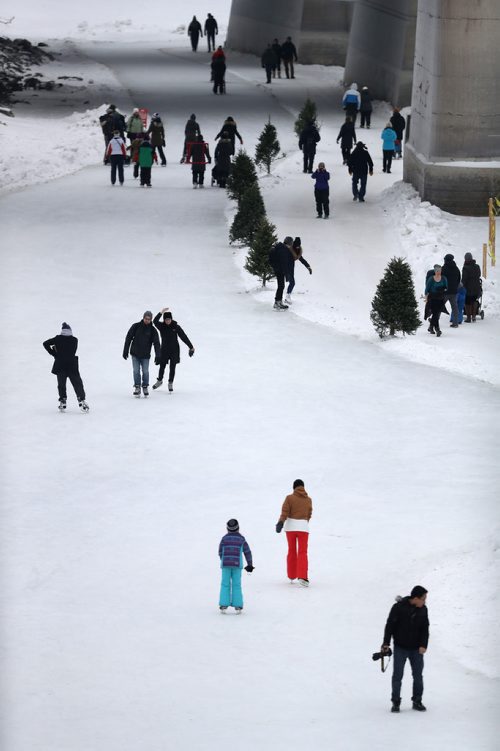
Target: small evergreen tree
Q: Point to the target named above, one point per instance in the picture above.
(268, 147)
(250, 212)
(257, 262)
(394, 307)
(242, 175)
(308, 114)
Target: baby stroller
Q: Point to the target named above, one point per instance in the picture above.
(479, 303)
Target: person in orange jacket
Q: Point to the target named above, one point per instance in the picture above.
(296, 513)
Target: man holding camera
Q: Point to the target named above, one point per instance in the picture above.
(408, 625)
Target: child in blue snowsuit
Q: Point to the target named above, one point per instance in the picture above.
(461, 293)
(231, 550)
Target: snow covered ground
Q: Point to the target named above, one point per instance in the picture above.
(111, 521)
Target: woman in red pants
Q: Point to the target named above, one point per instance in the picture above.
(295, 515)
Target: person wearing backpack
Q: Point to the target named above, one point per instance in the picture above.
(146, 159)
(116, 153)
(309, 137)
(156, 132)
(279, 259)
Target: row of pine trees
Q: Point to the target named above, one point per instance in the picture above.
(394, 306)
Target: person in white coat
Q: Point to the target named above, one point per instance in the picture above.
(351, 102)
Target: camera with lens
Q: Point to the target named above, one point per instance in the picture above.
(379, 655)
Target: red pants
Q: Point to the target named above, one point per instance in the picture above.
(296, 561)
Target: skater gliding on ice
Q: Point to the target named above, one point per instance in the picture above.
(170, 333)
(116, 153)
(295, 516)
(408, 626)
(141, 336)
(194, 32)
(295, 255)
(199, 156)
(63, 349)
(279, 259)
(232, 548)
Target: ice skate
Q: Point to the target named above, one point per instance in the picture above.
(418, 706)
(288, 299)
(278, 305)
(145, 390)
(62, 405)
(157, 384)
(137, 391)
(223, 609)
(170, 386)
(83, 406)
(304, 582)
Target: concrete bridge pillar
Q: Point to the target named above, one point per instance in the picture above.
(255, 23)
(453, 155)
(381, 48)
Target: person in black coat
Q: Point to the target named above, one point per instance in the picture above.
(229, 126)
(268, 61)
(398, 124)
(170, 333)
(360, 164)
(276, 46)
(279, 259)
(452, 273)
(471, 279)
(194, 31)
(111, 121)
(288, 55)
(408, 626)
(308, 139)
(218, 66)
(210, 31)
(223, 153)
(199, 157)
(63, 349)
(141, 336)
(191, 133)
(346, 136)
(366, 107)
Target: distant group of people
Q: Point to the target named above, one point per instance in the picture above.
(277, 53)
(195, 32)
(444, 283)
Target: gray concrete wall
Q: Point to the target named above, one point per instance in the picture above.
(460, 188)
(255, 23)
(325, 31)
(456, 105)
(381, 44)
(456, 91)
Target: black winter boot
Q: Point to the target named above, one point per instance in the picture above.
(417, 704)
(395, 705)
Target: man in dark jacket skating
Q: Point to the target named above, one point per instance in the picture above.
(360, 164)
(279, 259)
(194, 31)
(170, 333)
(156, 133)
(211, 30)
(63, 349)
(408, 626)
(308, 139)
(398, 123)
(141, 336)
(346, 136)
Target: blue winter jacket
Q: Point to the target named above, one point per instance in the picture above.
(231, 550)
(389, 138)
(322, 177)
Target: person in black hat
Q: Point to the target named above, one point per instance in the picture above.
(360, 164)
(295, 255)
(408, 626)
(170, 333)
(63, 349)
(295, 516)
(279, 259)
(232, 548)
(141, 336)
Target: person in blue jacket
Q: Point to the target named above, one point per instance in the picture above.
(322, 190)
(232, 548)
(461, 294)
(388, 137)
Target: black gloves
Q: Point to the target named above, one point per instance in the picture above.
(125, 357)
(279, 527)
(310, 270)
(157, 360)
(191, 352)
(249, 568)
